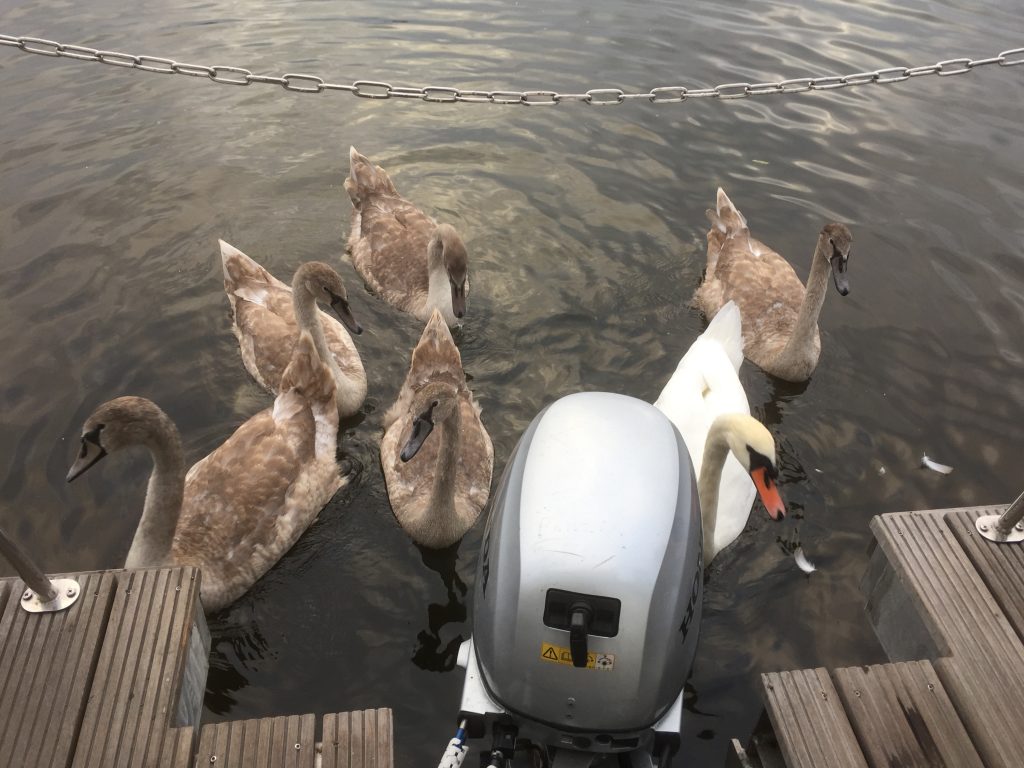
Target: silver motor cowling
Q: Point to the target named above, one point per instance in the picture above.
(588, 589)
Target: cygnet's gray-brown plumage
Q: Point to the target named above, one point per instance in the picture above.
(436, 454)
(268, 315)
(405, 257)
(780, 317)
(238, 510)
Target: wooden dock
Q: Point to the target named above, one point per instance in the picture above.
(117, 680)
(948, 608)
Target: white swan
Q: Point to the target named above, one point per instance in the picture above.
(238, 510)
(706, 402)
(268, 315)
(780, 317)
(437, 486)
(405, 257)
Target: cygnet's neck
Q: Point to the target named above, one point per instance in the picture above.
(154, 535)
(307, 316)
(800, 355)
(442, 494)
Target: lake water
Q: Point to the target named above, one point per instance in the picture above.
(586, 230)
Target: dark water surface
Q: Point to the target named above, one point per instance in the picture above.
(586, 233)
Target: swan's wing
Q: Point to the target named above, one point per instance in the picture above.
(389, 236)
(247, 502)
(240, 270)
(342, 347)
(366, 181)
(434, 357)
(765, 287)
(267, 337)
(476, 455)
(704, 386)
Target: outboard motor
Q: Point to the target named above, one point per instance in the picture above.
(588, 591)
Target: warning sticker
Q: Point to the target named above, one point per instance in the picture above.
(560, 655)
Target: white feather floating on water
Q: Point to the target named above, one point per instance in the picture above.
(943, 469)
(802, 562)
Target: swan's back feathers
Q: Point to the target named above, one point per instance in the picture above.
(307, 373)
(435, 358)
(366, 180)
(730, 220)
(248, 502)
(411, 485)
(726, 328)
(241, 272)
(728, 225)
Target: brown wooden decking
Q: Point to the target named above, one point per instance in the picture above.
(117, 680)
(948, 607)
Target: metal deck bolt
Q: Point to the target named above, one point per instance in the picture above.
(982, 527)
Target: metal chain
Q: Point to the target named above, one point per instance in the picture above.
(598, 97)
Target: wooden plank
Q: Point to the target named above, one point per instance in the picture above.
(138, 679)
(1001, 566)
(46, 664)
(951, 597)
(361, 739)
(269, 742)
(176, 751)
(809, 720)
(902, 716)
(989, 702)
(934, 556)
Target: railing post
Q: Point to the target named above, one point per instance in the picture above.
(44, 595)
(1005, 528)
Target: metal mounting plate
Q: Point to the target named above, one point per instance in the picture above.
(68, 593)
(986, 526)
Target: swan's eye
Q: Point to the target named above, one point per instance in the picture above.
(434, 404)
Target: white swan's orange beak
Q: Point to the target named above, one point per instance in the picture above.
(769, 493)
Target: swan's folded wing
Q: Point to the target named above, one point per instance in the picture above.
(239, 269)
(247, 502)
(395, 234)
(268, 338)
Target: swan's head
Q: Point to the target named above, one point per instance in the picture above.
(752, 444)
(435, 402)
(324, 284)
(447, 248)
(117, 424)
(834, 242)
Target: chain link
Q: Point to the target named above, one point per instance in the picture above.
(597, 97)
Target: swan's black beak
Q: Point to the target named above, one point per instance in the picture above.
(422, 426)
(839, 266)
(458, 299)
(341, 309)
(91, 453)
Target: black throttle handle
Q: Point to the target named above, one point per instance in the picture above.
(579, 624)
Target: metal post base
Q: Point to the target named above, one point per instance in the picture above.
(987, 527)
(68, 593)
